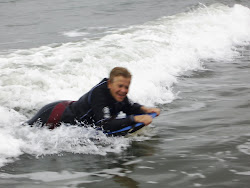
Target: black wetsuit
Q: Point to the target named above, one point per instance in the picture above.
(97, 107)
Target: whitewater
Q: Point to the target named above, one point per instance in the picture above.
(159, 53)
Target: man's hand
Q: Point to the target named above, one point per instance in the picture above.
(145, 119)
(151, 110)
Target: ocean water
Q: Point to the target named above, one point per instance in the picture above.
(191, 59)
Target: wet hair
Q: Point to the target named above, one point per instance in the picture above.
(119, 71)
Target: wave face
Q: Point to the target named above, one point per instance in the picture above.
(157, 53)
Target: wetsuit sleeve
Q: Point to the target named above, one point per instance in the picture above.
(102, 116)
(117, 124)
(131, 108)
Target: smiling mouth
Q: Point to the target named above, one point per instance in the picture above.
(121, 95)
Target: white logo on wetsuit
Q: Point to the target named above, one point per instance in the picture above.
(106, 112)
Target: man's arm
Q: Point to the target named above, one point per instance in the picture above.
(135, 108)
(146, 119)
(151, 110)
(102, 115)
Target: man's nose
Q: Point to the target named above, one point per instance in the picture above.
(124, 90)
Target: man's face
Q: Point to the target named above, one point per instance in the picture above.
(119, 87)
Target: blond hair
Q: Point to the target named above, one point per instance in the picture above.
(119, 71)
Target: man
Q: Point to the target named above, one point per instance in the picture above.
(98, 107)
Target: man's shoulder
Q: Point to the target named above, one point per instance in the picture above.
(101, 85)
(100, 90)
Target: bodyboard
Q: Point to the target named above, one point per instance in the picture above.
(128, 129)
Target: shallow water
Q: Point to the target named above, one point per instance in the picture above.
(197, 78)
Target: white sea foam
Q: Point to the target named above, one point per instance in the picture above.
(244, 148)
(74, 33)
(89, 31)
(156, 53)
(71, 177)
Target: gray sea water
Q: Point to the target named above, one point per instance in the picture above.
(26, 24)
(201, 139)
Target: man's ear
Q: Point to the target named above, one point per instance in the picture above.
(109, 83)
